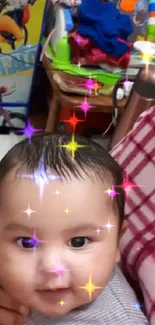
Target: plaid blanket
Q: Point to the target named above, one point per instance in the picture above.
(136, 154)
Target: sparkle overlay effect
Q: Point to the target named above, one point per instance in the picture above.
(98, 230)
(34, 241)
(96, 87)
(90, 288)
(59, 270)
(89, 84)
(29, 211)
(74, 121)
(41, 177)
(57, 192)
(61, 303)
(85, 106)
(29, 130)
(111, 192)
(127, 186)
(67, 210)
(108, 226)
(72, 146)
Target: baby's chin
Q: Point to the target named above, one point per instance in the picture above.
(53, 310)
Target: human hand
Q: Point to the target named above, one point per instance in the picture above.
(11, 312)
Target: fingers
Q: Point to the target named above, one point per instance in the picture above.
(7, 302)
(9, 317)
(11, 312)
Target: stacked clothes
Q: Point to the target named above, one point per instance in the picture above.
(101, 35)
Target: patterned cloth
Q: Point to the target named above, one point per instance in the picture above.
(117, 305)
(136, 154)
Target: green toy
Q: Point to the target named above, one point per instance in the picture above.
(61, 61)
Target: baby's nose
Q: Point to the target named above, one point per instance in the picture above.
(53, 260)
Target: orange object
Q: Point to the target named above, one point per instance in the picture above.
(152, 14)
(26, 16)
(127, 5)
(7, 24)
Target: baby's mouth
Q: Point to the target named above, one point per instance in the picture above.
(53, 293)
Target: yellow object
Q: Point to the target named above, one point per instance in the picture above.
(140, 38)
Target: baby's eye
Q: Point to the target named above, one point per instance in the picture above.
(27, 242)
(78, 242)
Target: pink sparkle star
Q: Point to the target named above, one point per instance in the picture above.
(89, 84)
(98, 230)
(85, 106)
(111, 192)
(59, 270)
(127, 185)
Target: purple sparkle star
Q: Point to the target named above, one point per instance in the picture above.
(111, 192)
(29, 130)
(85, 106)
(35, 241)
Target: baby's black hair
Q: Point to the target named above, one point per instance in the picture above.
(90, 160)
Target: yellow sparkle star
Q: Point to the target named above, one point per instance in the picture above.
(146, 57)
(62, 303)
(96, 87)
(72, 146)
(79, 64)
(90, 287)
(108, 191)
(67, 210)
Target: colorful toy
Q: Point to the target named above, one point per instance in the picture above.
(13, 22)
(61, 61)
(59, 51)
(20, 29)
(151, 22)
(63, 24)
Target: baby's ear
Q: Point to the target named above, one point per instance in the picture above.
(124, 228)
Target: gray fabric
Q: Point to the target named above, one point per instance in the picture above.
(115, 306)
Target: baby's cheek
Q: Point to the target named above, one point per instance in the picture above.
(17, 275)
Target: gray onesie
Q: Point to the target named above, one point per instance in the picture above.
(116, 305)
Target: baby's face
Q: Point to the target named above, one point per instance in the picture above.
(48, 257)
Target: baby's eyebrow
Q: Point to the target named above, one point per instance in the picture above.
(17, 226)
(81, 227)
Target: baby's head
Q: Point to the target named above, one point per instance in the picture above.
(49, 254)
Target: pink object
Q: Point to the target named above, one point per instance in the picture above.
(136, 154)
(85, 52)
(46, 44)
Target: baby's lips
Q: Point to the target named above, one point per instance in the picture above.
(24, 310)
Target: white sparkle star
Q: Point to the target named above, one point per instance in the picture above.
(29, 211)
(108, 226)
(57, 192)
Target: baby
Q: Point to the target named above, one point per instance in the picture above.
(59, 233)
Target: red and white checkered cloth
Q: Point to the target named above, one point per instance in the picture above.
(136, 154)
